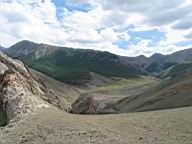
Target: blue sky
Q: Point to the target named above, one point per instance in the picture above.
(127, 28)
(60, 4)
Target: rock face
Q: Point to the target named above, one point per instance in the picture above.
(85, 104)
(20, 92)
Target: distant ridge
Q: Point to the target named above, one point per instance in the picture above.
(74, 65)
(2, 48)
(173, 93)
(22, 48)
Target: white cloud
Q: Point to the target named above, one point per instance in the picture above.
(24, 21)
(37, 21)
(108, 34)
(41, 25)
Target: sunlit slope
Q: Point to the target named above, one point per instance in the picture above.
(173, 93)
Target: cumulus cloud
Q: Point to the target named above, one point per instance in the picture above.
(157, 12)
(185, 23)
(189, 35)
(26, 21)
(170, 15)
(100, 27)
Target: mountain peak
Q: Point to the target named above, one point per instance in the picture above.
(156, 56)
(25, 42)
(21, 48)
(142, 56)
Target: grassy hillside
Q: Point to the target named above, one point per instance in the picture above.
(157, 68)
(74, 66)
(159, 63)
(127, 83)
(177, 69)
(173, 93)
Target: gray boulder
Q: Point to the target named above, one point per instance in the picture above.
(84, 104)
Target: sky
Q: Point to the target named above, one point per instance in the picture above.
(123, 27)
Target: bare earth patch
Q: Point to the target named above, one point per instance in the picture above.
(51, 126)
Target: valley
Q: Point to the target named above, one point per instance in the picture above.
(138, 103)
(95, 72)
(106, 91)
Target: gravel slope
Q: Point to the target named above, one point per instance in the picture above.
(51, 126)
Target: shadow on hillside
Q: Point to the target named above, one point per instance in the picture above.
(2, 118)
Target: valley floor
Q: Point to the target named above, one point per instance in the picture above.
(52, 126)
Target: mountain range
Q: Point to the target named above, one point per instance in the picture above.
(75, 65)
(172, 93)
(71, 65)
(34, 107)
(1, 48)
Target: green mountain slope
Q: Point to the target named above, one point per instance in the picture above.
(177, 69)
(173, 93)
(169, 65)
(74, 66)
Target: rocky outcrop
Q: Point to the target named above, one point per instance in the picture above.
(20, 92)
(85, 104)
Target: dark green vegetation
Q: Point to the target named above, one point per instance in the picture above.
(165, 66)
(178, 69)
(75, 65)
(156, 68)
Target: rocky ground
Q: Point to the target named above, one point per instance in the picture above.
(22, 93)
(50, 126)
(36, 114)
